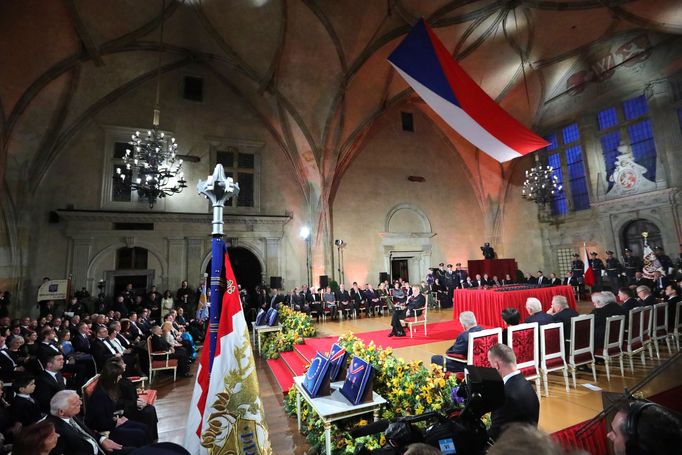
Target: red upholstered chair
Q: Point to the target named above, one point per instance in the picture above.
(582, 344)
(160, 361)
(479, 344)
(647, 323)
(660, 327)
(613, 343)
(417, 320)
(677, 328)
(552, 352)
(633, 343)
(523, 340)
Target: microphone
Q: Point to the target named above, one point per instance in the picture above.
(371, 428)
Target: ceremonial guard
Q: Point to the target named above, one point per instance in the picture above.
(632, 265)
(439, 274)
(461, 274)
(613, 271)
(597, 266)
(577, 268)
(664, 259)
(451, 282)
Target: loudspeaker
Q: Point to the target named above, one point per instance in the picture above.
(324, 281)
(275, 282)
(383, 276)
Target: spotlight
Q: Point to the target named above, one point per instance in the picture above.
(305, 232)
(338, 242)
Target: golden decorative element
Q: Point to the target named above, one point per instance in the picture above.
(645, 234)
(237, 423)
(230, 287)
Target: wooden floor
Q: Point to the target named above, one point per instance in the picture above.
(559, 411)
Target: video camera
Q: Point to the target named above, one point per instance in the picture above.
(455, 432)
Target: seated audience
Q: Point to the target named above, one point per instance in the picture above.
(414, 301)
(9, 425)
(655, 430)
(159, 344)
(461, 344)
(604, 306)
(330, 301)
(50, 381)
(561, 312)
(554, 280)
(645, 296)
(673, 296)
(37, 439)
(521, 403)
(534, 308)
(507, 279)
(24, 407)
(522, 439)
(510, 316)
(626, 295)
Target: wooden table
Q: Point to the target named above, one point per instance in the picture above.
(334, 407)
(258, 330)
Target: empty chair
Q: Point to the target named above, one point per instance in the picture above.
(659, 329)
(582, 344)
(613, 343)
(552, 352)
(633, 342)
(523, 340)
(647, 322)
(479, 344)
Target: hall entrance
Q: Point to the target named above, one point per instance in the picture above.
(400, 269)
(246, 267)
(632, 236)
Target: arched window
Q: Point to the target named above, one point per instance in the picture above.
(632, 236)
(131, 258)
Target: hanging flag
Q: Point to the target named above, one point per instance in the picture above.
(651, 262)
(53, 290)
(425, 64)
(226, 413)
(588, 275)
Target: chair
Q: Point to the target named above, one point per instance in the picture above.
(552, 352)
(88, 388)
(163, 364)
(660, 327)
(677, 329)
(479, 344)
(417, 320)
(647, 322)
(582, 344)
(613, 343)
(633, 343)
(326, 311)
(523, 340)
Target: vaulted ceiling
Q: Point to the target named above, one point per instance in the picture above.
(313, 71)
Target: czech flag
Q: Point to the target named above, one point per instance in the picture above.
(425, 64)
(588, 275)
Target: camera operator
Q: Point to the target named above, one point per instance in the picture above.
(521, 403)
(641, 427)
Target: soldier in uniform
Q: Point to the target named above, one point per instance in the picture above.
(597, 265)
(613, 270)
(439, 274)
(461, 274)
(664, 259)
(577, 268)
(451, 282)
(632, 265)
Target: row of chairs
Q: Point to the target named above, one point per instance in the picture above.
(647, 327)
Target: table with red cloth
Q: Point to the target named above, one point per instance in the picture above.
(487, 304)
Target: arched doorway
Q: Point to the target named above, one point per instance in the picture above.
(632, 236)
(246, 267)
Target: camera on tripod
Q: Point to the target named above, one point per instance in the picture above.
(455, 432)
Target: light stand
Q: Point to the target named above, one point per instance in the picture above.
(339, 246)
(305, 235)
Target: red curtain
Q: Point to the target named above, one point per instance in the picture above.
(593, 440)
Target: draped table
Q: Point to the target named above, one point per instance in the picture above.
(487, 304)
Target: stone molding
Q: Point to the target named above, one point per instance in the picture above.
(161, 217)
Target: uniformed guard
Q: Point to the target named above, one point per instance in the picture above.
(451, 283)
(632, 265)
(664, 259)
(597, 265)
(577, 268)
(439, 273)
(613, 271)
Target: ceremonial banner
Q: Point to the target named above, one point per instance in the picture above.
(53, 290)
(588, 275)
(651, 263)
(226, 413)
(425, 64)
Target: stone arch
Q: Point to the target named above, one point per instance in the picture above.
(101, 254)
(241, 244)
(414, 210)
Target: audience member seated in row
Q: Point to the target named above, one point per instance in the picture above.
(605, 306)
(159, 344)
(628, 298)
(535, 313)
(510, 316)
(24, 407)
(414, 301)
(468, 321)
(645, 296)
(37, 439)
(561, 312)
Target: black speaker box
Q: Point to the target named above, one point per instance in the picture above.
(275, 282)
(324, 281)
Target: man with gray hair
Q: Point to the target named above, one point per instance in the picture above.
(74, 436)
(645, 296)
(534, 308)
(461, 346)
(604, 306)
(561, 312)
(521, 403)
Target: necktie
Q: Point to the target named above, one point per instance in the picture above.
(86, 435)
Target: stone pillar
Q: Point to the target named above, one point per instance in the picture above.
(667, 134)
(272, 257)
(82, 249)
(177, 262)
(595, 168)
(194, 256)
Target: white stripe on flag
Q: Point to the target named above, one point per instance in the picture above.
(194, 417)
(461, 122)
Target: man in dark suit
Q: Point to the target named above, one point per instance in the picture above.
(641, 280)
(554, 280)
(161, 345)
(343, 299)
(75, 438)
(605, 306)
(81, 341)
(461, 345)
(24, 407)
(660, 283)
(569, 280)
(356, 297)
(645, 296)
(521, 403)
(414, 301)
(626, 296)
(534, 308)
(561, 312)
(478, 282)
(49, 381)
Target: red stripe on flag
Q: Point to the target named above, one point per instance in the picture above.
(231, 304)
(483, 109)
(203, 380)
(588, 277)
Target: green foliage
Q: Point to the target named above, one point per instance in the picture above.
(295, 327)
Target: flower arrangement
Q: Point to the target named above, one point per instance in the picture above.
(295, 327)
(410, 388)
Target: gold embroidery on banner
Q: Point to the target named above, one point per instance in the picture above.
(229, 431)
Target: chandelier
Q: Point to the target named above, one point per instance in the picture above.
(152, 162)
(541, 185)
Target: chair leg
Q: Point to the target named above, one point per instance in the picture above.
(667, 343)
(606, 365)
(651, 351)
(565, 372)
(594, 371)
(573, 375)
(425, 334)
(544, 379)
(632, 365)
(175, 373)
(538, 387)
(658, 353)
(622, 372)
